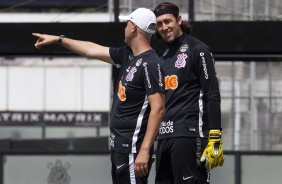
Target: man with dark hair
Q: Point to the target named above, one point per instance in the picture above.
(138, 103)
(189, 140)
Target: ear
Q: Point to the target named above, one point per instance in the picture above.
(179, 20)
(134, 28)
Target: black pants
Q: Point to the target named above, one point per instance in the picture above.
(178, 161)
(123, 168)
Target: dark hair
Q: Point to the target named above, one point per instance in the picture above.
(174, 10)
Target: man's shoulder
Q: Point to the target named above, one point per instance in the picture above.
(196, 43)
(122, 49)
(151, 55)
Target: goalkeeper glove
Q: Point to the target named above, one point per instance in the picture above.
(213, 153)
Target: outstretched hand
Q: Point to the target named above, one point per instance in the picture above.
(44, 39)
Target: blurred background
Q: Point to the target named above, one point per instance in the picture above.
(54, 105)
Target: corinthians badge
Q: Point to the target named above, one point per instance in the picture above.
(58, 174)
(181, 60)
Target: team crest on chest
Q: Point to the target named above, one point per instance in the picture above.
(130, 75)
(181, 60)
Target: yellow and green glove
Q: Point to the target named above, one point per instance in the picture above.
(213, 153)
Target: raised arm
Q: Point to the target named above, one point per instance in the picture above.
(83, 48)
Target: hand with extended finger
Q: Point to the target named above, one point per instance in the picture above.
(44, 39)
(213, 153)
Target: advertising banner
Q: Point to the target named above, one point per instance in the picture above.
(93, 119)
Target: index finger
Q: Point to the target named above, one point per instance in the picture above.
(36, 34)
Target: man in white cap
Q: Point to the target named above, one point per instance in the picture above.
(138, 102)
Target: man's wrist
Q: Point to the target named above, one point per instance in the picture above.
(215, 128)
(60, 40)
(215, 134)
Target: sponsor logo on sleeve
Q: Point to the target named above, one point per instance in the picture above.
(204, 64)
(147, 75)
(160, 76)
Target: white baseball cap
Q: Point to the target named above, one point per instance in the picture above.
(143, 18)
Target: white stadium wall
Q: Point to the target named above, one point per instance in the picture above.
(69, 84)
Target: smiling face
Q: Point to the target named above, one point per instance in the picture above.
(169, 27)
